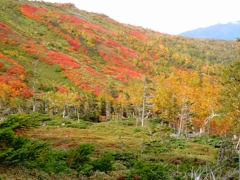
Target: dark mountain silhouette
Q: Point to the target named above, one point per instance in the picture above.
(229, 31)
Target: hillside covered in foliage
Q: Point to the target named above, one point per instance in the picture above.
(56, 58)
(85, 67)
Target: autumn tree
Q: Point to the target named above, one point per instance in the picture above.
(134, 92)
(230, 98)
(165, 100)
(185, 98)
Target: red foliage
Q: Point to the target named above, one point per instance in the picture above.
(15, 71)
(26, 93)
(74, 43)
(139, 35)
(36, 13)
(121, 58)
(112, 43)
(16, 68)
(31, 47)
(32, 12)
(3, 35)
(115, 60)
(18, 88)
(29, 9)
(59, 58)
(79, 97)
(82, 22)
(91, 70)
(4, 32)
(2, 25)
(127, 52)
(125, 73)
(61, 89)
(121, 77)
(108, 71)
(102, 53)
(136, 176)
(81, 82)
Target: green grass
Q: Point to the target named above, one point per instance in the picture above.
(130, 146)
(117, 136)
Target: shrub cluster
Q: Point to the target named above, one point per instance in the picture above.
(20, 150)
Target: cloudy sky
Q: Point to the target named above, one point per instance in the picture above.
(167, 16)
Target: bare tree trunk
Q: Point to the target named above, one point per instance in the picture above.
(143, 113)
(180, 124)
(86, 108)
(64, 112)
(180, 127)
(78, 117)
(68, 111)
(122, 109)
(208, 119)
(34, 86)
(45, 106)
(143, 100)
(108, 110)
(238, 149)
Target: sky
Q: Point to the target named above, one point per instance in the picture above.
(166, 16)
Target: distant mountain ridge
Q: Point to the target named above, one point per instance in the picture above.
(229, 31)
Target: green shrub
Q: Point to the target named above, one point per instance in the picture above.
(40, 155)
(129, 122)
(177, 143)
(85, 169)
(137, 129)
(156, 147)
(58, 122)
(69, 123)
(6, 137)
(17, 121)
(80, 125)
(19, 149)
(126, 158)
(149, 171)
(56, 166)
(213, 140)
(22, 150)
(57, 68)
(104, 163)
(79, 156)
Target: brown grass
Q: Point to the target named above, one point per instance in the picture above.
(106, 136)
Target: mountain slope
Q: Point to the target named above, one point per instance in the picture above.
(91, 46)
(62, 69)
(229, 31)
(55, 58)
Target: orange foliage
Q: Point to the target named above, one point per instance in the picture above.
(220, 127)
(15, 87)
(32, 12)
(139, 35)
(59, 58)
(16, 68)
(61, 89)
